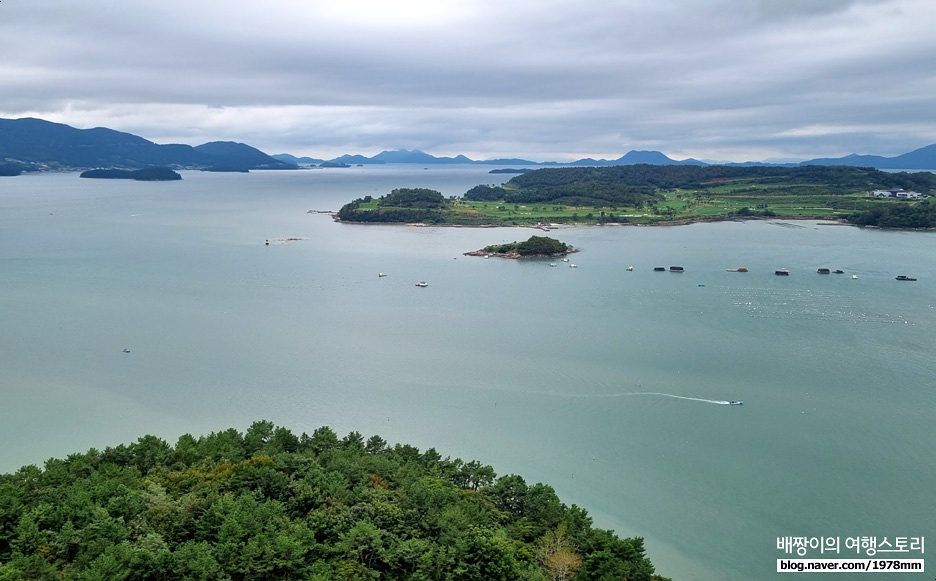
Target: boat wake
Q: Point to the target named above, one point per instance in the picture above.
(660, 394)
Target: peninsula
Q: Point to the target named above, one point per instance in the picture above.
(672, 194)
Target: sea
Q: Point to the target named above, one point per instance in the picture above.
(132, 308)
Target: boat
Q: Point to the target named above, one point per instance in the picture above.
(782, 272)
(905, 277)
(676, 269)
(423, 284)
(659, 268)
(738, 402)
(629, 268)
(823, 271)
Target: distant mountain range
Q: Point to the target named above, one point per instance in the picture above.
(34, 144)
(920, 159)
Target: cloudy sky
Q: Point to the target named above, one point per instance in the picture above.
(556, 80)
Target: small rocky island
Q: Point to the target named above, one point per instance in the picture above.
(535, 247)
(149, 174)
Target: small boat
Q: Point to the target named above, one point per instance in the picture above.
(381, 275)
(854, 276)
(782, 272)
(676, 269)
(629, 268)
(738, 402)
(565, 260)
(905, 277)
(659, 268)
(423, 284)
(823, 271)
(126, 350)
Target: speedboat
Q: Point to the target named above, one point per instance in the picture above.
(905, 277)
(381, 275)
(738, 402)
(423, 284)
(629, 268)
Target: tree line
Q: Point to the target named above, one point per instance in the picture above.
(898, 215)
(668, 177)
(267, 504)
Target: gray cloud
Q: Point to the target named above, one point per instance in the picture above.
(552, 79)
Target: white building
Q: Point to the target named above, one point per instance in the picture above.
(898, 193)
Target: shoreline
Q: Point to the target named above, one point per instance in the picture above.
(518, 256)
(823, 221)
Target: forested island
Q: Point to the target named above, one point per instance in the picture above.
(534, 247)
(655, 194)
(267, 504)
(149, 174)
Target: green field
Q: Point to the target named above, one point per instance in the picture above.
(676, 205)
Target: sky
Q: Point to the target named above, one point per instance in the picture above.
(544, 80)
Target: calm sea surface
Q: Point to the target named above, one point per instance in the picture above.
(565, 376)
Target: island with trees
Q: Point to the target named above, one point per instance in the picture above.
(660, 194)
(149, 174)
(268, 504)
(534, 247)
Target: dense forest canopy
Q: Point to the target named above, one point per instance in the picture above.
(412, 198)
(400, 205)
(701, 177)
(269, 505)
(922, 215)
(485, 193)
(534, 246)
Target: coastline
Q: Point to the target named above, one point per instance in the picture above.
(824, 221)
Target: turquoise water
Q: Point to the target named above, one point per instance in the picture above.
(552, 373)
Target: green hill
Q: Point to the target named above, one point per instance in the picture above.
(270, 505)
